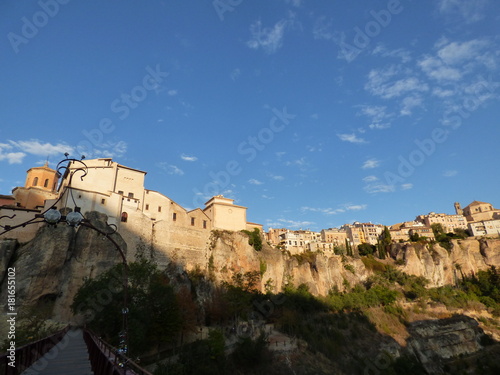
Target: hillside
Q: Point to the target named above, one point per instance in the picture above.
(332, 291)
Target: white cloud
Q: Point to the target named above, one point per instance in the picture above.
(409, 103)
(269, 39)
(109, 150)
(400, 53)
(172, 92)
(170, 169)
(371, 163)
(379, 188)
(188, 158)
(406, 186)
(292, 224)
(351, 138)
(442, 93)
(470, 10)
(335, 211)
(456, 53)
(301, 163)
(235, 74)
(253, 181)
(370, 179)
(276, 177)
(436, 69)
(450, 173)
(378, 86)
(323, 29)
(35, 147)
(12, 157)
(379, 126)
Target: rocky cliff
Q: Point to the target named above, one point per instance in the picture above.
(55, 263)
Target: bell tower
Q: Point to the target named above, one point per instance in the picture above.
(458, 209)
(40, 185)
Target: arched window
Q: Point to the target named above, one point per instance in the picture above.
(124, 217)
(46, 184)
(35, 181)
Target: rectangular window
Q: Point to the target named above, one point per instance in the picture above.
(192, 221)
(159, 208)
(130, 195)
(147, 207)
(103, 201)
(174, 216)
(120, 192)
(204, 224)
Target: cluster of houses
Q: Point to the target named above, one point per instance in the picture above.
(118, 191)
(478, 219)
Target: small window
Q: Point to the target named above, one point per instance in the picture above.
(204, 224)
(103, 201)
(147, 207)
(120, 192)
(174, 216)
(159, 208)
(130, 195)
(46, 184)
(124, 217)
(192, 221)
(35, 181)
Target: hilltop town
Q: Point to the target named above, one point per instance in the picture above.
(147, 216)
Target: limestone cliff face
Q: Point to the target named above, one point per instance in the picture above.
(54, 264)
(436, 341)
(442, 267)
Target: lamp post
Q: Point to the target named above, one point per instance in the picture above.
(52, 216)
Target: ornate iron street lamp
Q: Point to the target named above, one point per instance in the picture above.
(53, 216)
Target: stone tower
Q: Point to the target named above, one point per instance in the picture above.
(458, 209)
(41, 184)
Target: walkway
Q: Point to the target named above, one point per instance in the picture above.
(68, 357)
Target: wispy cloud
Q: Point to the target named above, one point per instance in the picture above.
(335, 211)
(379, 188)
(235, 74)
(370, 179)
(406, 186)
(468, 10)
(14, 152)
(371, 163)
(400, 53)
(291, 224)
(170, 169)
(383, 82)
(12, 157)
(353, 138)
(450, 173)
(409, 103)
(172, 92)
(188, 157)
(35, 147)
(270, 39)
(253, 181)
(276, 177)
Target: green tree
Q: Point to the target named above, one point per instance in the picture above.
(366, 249)
(154, 315)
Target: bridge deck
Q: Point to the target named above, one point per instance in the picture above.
(69, 357)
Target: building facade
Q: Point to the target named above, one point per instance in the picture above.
(448, 222)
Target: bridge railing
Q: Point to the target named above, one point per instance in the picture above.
(28, 354)
(105, 360)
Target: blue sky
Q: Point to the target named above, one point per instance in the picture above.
(310, 113)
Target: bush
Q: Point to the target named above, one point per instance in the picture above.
(254, 238)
